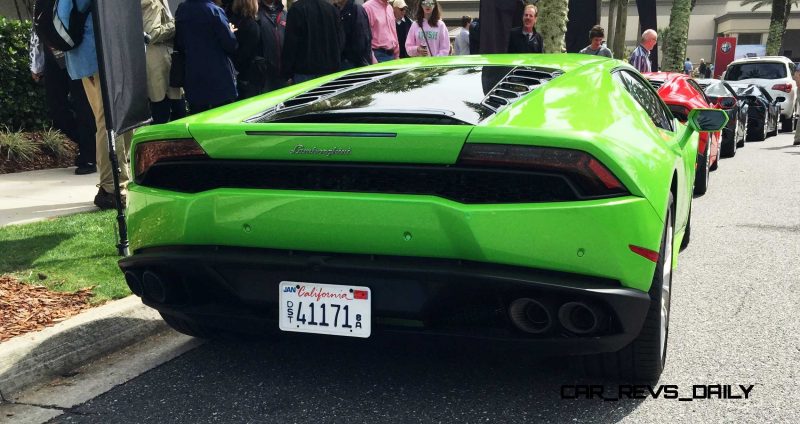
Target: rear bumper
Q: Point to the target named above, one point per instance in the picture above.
(237, 289)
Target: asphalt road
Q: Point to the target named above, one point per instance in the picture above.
(734, 321)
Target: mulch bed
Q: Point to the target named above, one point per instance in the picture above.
(42, 160)
(25, 308)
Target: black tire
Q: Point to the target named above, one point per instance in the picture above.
(643, 360)
(787, 124)
(687, 235)
(702, 176)
(758, 134)
(729, 147)
(199, 330)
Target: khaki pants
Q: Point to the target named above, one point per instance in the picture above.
(93, 93)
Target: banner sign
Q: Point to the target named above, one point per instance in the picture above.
(725, 53)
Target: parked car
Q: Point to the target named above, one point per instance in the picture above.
(763, 111)
(722, 96)
(479, 196)
(682, 94)
(774, 73)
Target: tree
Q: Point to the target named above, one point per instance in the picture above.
(674, 45)
(552, 24)
(777, 22)
(612, 16)
(618, 46)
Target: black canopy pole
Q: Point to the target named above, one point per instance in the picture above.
(122, 226)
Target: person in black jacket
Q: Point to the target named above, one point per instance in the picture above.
(247, 59)
(475, 36)
(358, 36)
(272, 22)
(525, 39)
(403, 24)
(314, 40)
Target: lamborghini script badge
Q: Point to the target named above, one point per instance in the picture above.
(303, 150)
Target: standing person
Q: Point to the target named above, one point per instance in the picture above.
(204, 35)
(66, 102)
(383, 25)
(703, 69)
(314, 40)
(428, 34)
(462, 39)
(525, 39)
(596, 36)
(82, 65)
(797, 128)
(640, 58)
(272, 24)
(475, 36)
(402, 24)
(166, 103)
(687, 67)
(358, 37)
(247, 60)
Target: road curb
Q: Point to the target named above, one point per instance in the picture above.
(37, 357)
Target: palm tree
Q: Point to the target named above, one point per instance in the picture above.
(674, 45)
(777, 23)
(618, 45)
(552, 24)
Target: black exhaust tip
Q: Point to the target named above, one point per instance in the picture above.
(531, 316)
(155, 288)
(581, 318)
(134, 283)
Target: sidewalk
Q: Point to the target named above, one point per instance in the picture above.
(35, 195)
(34, 358)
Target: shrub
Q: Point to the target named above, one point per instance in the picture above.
(54, 142)
(22, 101)
(15, 146)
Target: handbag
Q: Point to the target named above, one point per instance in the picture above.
(177, 70)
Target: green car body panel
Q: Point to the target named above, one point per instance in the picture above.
(584, 108)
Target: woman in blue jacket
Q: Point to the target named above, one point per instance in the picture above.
(204, 35)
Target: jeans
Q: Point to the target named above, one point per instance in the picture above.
(382, 56)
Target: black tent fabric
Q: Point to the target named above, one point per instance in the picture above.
(647, 20)
(582, 17)
(120, 52)
(497, 19)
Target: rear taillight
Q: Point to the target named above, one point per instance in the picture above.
(786, 88)
(151, 152)
(590, 176)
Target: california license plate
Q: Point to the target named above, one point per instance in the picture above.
(325, 309)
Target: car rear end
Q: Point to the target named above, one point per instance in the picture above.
(440, 228)
(773, 75)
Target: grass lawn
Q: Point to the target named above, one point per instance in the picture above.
(73, 252)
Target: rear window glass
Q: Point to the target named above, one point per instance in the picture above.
(717, 90)
(760, 70)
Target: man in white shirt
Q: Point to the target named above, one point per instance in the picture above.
(461, 44)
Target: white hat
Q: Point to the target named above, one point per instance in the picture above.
(400, 4)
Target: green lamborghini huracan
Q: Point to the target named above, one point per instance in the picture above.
(534, 198)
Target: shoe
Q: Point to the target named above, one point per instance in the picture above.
(89, 168)
(105, 200)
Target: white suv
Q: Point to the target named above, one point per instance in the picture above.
(773, 73)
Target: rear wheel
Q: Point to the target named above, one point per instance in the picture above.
(787, 124)
(703, 174)
(758, 134)
(643, 360)
(729, 147)
(197, 329)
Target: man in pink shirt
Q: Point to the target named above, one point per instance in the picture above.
(384, 32)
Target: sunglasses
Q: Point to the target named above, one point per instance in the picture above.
(428, 3)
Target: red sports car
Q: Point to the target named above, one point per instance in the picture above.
(682, 94)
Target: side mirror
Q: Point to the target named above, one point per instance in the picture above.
(707, 120)
(780, 99)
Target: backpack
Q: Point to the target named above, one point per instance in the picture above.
(51, 29)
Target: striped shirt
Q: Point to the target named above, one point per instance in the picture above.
(640, 59)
